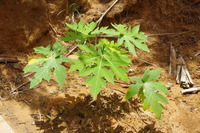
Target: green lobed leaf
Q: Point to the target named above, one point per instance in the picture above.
(86, 48)
(102, 63)
(82, 31)
(96, 83)
(34, 82)
(145, 75)
(135, 30)
(157, 109)
(162, 88)
(43, 50)
(139, 44)
(115, 64)
(141, 94)
(72, 36)
(104, 30)
(130, 37)
(154, 74)
(78, 65)
(137, 79)
(152, 102)
(59, 72)
(52, 62)
(133, 90)
(148, 90)
(151, 75)
(32, 64)
(129, 45)
(58, 48)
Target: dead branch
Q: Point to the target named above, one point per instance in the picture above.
(172, 63)
(71, 51)
(153, 35)
(197, 54)
(191, 90)
(182, 74)
(24, 90)
(100, 19)
(164, 34)
(178, 73)
(189, 78)
(4, 59)
(147, 62)
(178, 68)
(53, 28)
(19, 87)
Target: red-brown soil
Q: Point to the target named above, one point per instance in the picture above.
(26, 24)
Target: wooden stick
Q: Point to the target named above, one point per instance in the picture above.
(190, 82)
(18, 88)
(197, 54)
(181, 60)
(152, 35)
(189, 78)
(170, 58)
(100, 19)
(8, 60)
(163, 34)
(172, 63)
(53, 28)
(71, 50)
(146, 62)
(178, 73)
(182, 76)
(191, 90)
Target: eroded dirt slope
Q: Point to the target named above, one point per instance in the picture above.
(27, 24)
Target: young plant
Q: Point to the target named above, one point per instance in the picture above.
(148, 90)
(102, 62)
(74, 8)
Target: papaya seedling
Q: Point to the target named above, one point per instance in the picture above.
(101, 63)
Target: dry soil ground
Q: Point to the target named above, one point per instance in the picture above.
(26, 23)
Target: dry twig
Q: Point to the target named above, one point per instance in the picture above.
(4, 59)
(191, 90)
(146, 62)
(71, 51)
(100, 19)
(178, 68)
(172, 63)
(182, 74)
(152, 35)
(197, 54)
(17, 88)
(53, 28)
(164, 34)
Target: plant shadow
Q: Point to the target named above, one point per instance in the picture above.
(150, 128)
(83, 114)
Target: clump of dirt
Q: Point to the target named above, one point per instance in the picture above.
(98, 7)
(27, 24)
(72, 109)
(23, 24)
